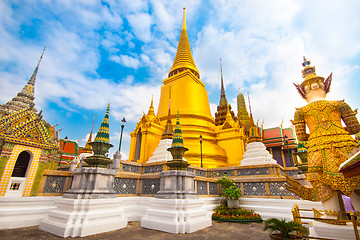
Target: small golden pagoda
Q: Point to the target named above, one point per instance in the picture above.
(183, 91)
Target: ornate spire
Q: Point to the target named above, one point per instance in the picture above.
(28, 90)
(168, 133)
(183, 59)
(177, 140)
(224, 107)
(101, 145)
(87, 148)
(103, 133)
(151, 113)
(223, 101)
(251, 116)
(177, 150)
(243, 114)
(25, 98)
(229, 117)
(254, 135)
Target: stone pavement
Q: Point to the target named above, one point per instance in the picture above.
(218, 231)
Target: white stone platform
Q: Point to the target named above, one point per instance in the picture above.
(29, 211)
(176, 215)
(83, 217)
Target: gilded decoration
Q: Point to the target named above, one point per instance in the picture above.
(329, 142)
(26, 127)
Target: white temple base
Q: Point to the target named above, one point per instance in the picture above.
(325, 230)
(176, 215)
(83, 217)
(256, 154)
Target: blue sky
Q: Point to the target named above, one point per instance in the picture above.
(121, 51)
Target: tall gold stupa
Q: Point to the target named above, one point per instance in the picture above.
(184, 92)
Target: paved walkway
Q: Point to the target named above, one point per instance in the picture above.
(218, 231)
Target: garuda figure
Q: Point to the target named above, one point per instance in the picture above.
(329, 144)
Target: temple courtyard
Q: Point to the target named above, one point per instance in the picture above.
(219, 230)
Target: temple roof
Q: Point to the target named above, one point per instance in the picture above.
(27, 128)
(274, 137)
(183, 59)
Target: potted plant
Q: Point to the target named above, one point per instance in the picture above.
(232, 195)
(283, 229)
(225, 182)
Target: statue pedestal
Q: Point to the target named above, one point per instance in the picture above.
(84, 217)
(325, 230)
(176, 184)
(176, 208)
(88, 208)
(92, 183)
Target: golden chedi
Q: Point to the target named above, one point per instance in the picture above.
(329, 143)
(183, 91)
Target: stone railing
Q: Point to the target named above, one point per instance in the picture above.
(136, 179)
(54, 183)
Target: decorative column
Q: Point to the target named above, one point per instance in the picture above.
(90, 206)
(176, 207)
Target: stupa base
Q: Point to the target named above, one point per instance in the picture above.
(84, 217)
(176, 216)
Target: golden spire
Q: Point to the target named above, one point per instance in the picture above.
(168, 133)
(223, 101)
(183, 59)
(229, 118)
(87, 148)
(251, 116)
(254, 135)
(151, 113)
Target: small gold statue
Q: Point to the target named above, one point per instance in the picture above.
(329, 144)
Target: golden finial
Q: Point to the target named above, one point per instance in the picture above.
(183, 27)
(151, 113)
(183, 60)
(251, 116)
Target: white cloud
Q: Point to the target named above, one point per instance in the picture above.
(126, 61)
(141, 25)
